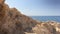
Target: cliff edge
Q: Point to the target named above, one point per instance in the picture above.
(13, 22)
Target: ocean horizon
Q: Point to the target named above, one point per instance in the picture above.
(46, 18)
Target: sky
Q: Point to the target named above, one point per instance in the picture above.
(36, 7)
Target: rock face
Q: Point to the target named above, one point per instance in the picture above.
(13, 22)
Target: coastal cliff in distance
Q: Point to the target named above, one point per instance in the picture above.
(13, 22)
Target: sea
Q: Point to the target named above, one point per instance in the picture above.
(46, 18)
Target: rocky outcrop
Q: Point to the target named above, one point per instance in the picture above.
(13, 22)
(50, 27)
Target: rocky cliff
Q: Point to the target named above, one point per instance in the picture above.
(13, 22)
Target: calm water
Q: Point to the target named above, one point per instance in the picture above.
(47, 18)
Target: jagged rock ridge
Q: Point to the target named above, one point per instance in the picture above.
(13, 22)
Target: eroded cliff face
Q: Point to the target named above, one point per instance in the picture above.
(13, 22)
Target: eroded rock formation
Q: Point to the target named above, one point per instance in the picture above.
(13, 22)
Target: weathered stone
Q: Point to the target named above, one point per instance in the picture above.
(13, 22)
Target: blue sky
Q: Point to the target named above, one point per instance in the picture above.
(36, 7)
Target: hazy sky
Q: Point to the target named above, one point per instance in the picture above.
(36, 7)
